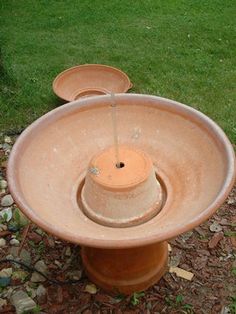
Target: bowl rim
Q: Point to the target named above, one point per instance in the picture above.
(132, 242)
(87, 65)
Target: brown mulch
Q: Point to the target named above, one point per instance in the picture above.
(208, 252)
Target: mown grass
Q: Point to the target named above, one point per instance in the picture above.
(183, 50)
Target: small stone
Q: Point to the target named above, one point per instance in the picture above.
(15, 242)
(174, 260)
(4, 281)
(2, 242)
(231, 200)
(3, 302)
(215, 240)
(7, 140)
(3, 184)
(6, 272)
(6, 147)
(74, 275)
(9, 256)
(91, 288)
(41, 293)
(8, 292)
(6, 214)
(215, 227)
(7, 200)
(58, 263)
(22, 302)
(42, 267)
(225, 310)
(36, 277)
(24, 255)
(3, 227)
(68, 251)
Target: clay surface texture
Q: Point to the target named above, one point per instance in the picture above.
(190, 154)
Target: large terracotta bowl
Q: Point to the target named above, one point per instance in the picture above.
(90, 80)
(192, 157)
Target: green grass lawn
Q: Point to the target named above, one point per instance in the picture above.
(183, 50)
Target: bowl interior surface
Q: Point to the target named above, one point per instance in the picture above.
(71, 83)
(190, 153)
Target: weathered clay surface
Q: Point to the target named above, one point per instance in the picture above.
(126, 270)
(90, 80)
(121, 196)
(190, 153)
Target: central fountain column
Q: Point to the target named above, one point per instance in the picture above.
(119, 195)
(126, 271)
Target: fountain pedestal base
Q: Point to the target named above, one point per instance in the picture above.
(126, 270)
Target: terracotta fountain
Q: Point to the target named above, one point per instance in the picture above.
(174, 169)
(88, 80)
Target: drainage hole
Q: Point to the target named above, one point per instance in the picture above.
(120, 165)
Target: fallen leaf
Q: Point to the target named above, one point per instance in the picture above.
(181, 273)
(215, 240)
(233, 241)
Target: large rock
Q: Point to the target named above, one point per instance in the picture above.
(22, 302)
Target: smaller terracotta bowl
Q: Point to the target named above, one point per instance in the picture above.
(90, 80)
(121, 195)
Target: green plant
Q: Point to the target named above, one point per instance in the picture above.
(232, 305)
(230, 234)
(40, 247)
(35, 310)
(179, 299)
(19, 218)
(118, 298)
(135, 298)
(178, 303)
